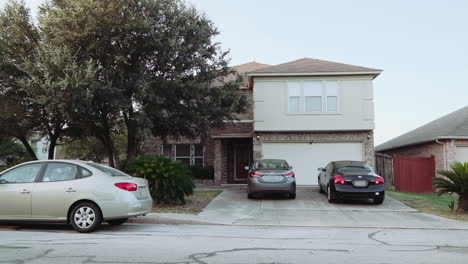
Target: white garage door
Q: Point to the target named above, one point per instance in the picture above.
(306, 158)
(461, 154)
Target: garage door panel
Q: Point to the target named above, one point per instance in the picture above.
(306, 158)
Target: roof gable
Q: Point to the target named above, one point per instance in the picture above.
(453, 125)
(314, 66)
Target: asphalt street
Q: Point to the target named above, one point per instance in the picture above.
(135, 243)
(233, 229)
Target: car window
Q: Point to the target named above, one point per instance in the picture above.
(107, 170)
(356, 168)
(60, 172)
(23, 174)
(271, 164)
(85, 173)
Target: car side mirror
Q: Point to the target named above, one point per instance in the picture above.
(246, 168)
(321, 169)
(290, 167)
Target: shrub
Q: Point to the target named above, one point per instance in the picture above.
(169, 181)
(202, 173)
(455, 181)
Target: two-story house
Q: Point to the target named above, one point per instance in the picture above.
(307, 111)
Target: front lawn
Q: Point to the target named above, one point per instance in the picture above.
(429, 203)
(194, 203)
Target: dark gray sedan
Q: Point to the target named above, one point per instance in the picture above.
(351, 179)
(271, 176)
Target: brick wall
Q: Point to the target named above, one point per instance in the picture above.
(425, 150)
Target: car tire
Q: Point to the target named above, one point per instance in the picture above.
(378, 200)
(85, 217)
(330, 196)
(292, 196)
(116, 222)
(320, 188)
(250, 196)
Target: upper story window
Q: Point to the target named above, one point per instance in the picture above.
(313, 96)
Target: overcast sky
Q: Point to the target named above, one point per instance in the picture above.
(422, 46)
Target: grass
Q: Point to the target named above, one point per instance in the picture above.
(430, 203)
(194, 203)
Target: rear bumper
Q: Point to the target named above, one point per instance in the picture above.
(260, 187)
(348, 191)
(125, 207)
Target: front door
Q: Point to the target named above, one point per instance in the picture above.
(242, 158)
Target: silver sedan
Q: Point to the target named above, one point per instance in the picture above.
(271, 176)
(81, 193)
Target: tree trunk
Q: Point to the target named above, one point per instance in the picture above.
(53, 143)
(27, 146)
(132, 138)
(463, 203)
(110, 152)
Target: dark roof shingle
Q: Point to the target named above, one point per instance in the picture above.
(308, 65)
(453, 125)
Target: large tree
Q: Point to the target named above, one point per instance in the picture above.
(18, 41)
(159, 65)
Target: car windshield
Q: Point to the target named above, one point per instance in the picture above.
(272, 165)
(356, 168)
(107, 170)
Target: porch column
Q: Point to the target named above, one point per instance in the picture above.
(218, 161)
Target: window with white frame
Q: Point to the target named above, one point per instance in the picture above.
(182, 153)
(332, 96)
(313, 96)
(294, 97)
(189, 154)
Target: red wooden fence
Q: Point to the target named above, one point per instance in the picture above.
(414, 174)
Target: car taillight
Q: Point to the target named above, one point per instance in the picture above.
(127, 186)
(379, 180)
(253, 174)
(339, 180)
(291, 174)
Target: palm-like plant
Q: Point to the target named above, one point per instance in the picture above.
(455, 181)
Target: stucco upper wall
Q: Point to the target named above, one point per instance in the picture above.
(355, 105)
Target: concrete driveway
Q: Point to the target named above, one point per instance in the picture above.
(310, 209)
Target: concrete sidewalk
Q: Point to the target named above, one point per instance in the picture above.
(309, 209)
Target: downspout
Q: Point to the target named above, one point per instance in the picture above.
(445, 154)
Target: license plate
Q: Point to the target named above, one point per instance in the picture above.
(360, 183)
(272, 178)
(142, 192)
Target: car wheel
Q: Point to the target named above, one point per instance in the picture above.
(292, 196)
(117, 222)
(320, 188)
(330, 197)
(378, 200)
(85, 217)
(250, 196)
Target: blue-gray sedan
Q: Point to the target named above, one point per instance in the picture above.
(271, 176)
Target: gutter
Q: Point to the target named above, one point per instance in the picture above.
(259, 74)
(445, 153)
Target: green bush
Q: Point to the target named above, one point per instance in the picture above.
(202, 173)
(169, 181)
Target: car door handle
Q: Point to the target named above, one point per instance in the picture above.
(24, 191)
(70, 190)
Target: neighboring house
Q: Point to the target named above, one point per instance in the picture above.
(307, 111)
(445, 138)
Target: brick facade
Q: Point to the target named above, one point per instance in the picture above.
(444, 152)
